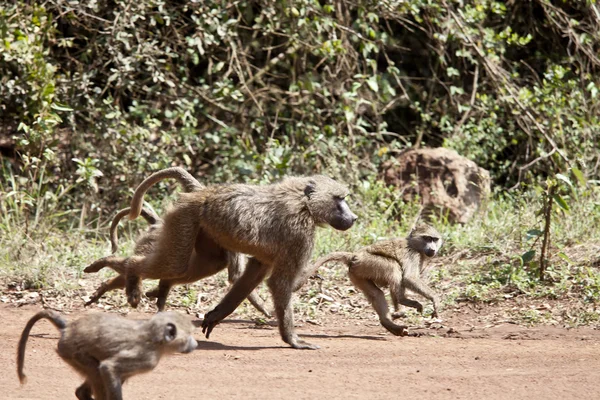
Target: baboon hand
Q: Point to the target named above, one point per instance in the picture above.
(211, 319)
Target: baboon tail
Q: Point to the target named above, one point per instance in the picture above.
(149, 215)
(189, 183)
(339, 256)
(50, 315)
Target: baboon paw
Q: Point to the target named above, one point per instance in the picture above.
(398, 314)
(133, 300)
(398, 330)
(152, 293)
(209, 323)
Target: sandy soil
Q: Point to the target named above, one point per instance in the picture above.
(357, 359)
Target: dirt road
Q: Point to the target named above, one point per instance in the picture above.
(357, 359)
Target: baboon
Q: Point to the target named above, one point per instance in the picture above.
(108, 349)
(208, 263)
(395, 263)
(275, 224)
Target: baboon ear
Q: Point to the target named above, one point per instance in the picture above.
(170, 332)
(310, 188)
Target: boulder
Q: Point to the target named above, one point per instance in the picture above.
(442, 178)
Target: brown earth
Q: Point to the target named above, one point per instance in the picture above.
(357, 359)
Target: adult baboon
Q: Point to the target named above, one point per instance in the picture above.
(275, 224)
(208, 258)
(395, 263)
(108, 349)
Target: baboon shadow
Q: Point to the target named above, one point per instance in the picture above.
(198, 323)
(343, 336)
(205, 345)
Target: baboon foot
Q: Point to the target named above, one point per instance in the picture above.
(94, 267)
(303, 345)
(398, 314)
(397, 330)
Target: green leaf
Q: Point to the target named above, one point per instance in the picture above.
(60, 107)
(561, 202)
(528, 256)
(564, 257)
(534, 233)
(372, 82)
(579, 176)
(564, 179)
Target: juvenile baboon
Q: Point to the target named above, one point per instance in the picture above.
(143, 245)
(395, 263)
(275, 224)
(108, 349)
(209, 261)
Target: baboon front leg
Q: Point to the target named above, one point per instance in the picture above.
(117, 282)
(253, 275)
(163, 291)
(112, 382)
(418, 286)
(133, 289)
(281, 286)
(399, 297)
(84, 392)
(377, 299)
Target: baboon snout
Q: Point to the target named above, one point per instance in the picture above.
(190, 345)
(343, 218)
(429, 252)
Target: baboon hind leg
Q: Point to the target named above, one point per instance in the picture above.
(253, 275)
(117, 282)
(377, 299)
(235, 270)
(281, 285)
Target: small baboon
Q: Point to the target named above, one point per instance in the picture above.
(395, 263)
(108, 349)
(208, 263)
(275, 224)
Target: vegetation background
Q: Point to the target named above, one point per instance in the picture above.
(95, 95)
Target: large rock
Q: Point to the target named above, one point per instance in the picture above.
(442, 178)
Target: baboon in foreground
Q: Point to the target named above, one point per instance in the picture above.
(395, 263)
(275, 224)
(108, 349)
(209, 261)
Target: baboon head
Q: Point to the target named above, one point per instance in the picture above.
(425, 239)
(173, 332)
(327, 204)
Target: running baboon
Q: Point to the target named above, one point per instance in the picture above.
(210, 260)
(108, 349)
(275, 224)
(395, 263)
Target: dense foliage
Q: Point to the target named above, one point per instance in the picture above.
(256, 89)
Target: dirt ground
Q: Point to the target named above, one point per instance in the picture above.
(357, 359)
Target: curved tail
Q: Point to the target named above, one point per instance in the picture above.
(189, 183)
(343, 257)
(339, 256)
(149, 215)
(50, 315)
